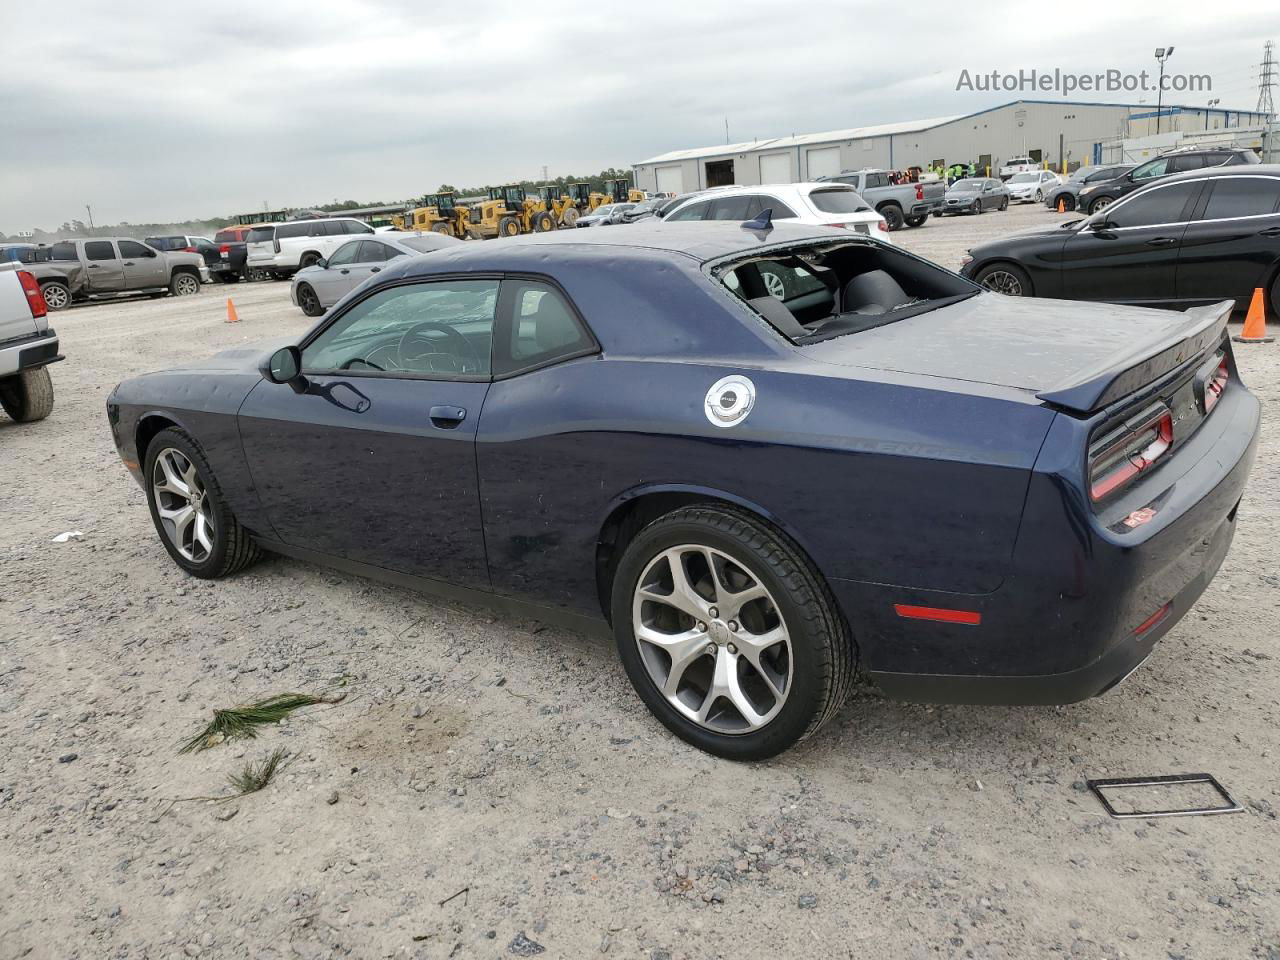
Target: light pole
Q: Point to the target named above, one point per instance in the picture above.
(1162, 54)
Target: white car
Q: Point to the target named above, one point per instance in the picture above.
(824, 204)
(1017, 165)
(282, 249)
(1025, 187)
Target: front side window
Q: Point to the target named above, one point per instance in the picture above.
(1242, 197)
(1162, 205)
(441, 329)
(694, 211)
(543, 328)
(132, 248)
(99, 250)
(345, 254)
(730, 208)
(371, 251)
(1156, 168)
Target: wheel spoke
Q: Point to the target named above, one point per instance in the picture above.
(731, 606)
(204, 532)
(173, 482)
(683, 649)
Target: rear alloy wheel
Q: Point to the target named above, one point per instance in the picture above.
(184, 285)
(1098, 203)
(892, 217)
(728, 634)
(27, 396)
(193, 519)
(1005, 278)
(309, 300)
(916, 221)
(57, 296)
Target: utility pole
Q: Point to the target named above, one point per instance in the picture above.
(1267, 80)
(726, 129)
(89, 210)
(1162, 54)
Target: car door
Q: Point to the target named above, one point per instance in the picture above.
(1233, 244)
(143, 266)
(103, 266)
(332, 282)
(1128, 253)
(375, 460)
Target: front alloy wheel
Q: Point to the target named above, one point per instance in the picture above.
(180, 497)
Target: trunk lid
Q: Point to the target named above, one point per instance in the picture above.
(1073, 355)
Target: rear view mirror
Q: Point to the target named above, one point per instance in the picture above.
(284, 366)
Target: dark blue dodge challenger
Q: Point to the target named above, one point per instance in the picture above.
(762, 458)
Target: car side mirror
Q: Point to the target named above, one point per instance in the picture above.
(285, 366)
(322, 263)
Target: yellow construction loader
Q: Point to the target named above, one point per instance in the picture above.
(438, 213)
(509, 212)
(560, 205)
(620, 191)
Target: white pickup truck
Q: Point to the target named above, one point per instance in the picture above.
(27, 347)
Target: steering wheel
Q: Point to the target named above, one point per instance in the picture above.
(451, 335)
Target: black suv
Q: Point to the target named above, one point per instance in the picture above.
(1094, 196)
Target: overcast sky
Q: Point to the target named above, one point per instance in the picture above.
(164, 111)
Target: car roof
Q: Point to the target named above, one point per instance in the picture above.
(700, 241)
(1234, 170)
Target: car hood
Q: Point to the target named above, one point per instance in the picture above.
(1023, 343)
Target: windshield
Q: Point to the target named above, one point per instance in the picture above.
(1023, 178)
(967, 186)
(838, 201)
(814, 292)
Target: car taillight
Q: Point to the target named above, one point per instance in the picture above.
(882, 227)
(188, 249)
(919, 192)
(837, 224)
(1129, 450)
(225, 248)
(1214, 387)
(35, 299)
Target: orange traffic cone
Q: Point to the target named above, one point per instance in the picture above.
(1062, 205)
(232, 317)
(1255, 324)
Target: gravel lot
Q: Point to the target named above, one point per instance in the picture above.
(513, 762)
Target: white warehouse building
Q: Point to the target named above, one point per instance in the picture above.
(1050, 132)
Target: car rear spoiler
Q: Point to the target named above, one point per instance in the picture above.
(1091, 390)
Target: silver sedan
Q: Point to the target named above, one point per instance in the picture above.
(317, 288)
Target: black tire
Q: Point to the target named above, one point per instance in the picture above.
(937, 213)
(1097, 203)
(892, 214)
(1013, 277)
(917, 221)
(1275, 295)
(824, 658)
(27, 396)
(308, 260)
(233, 547)
(1004, 204)
(442, 228)
(1039, 196)
(227, 277)
(570, 216)
(977, 208)
(309, 301)
(184, 284)
(508, 227)
(543, 222)
(57, 295)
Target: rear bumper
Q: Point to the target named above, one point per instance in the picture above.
(28, 353)
(1086, 598)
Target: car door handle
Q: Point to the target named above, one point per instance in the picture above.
(344, 270)
(1161, 242)
(1270, 232)
(375, 269)
(93, 266)
(446, 418)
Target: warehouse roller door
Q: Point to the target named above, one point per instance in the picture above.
(775, 168)
(823, 162)
(670, 179)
